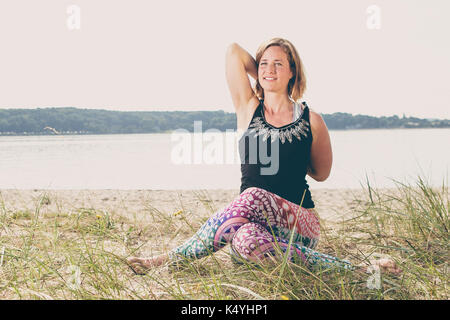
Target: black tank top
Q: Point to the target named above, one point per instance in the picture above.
(258, 149)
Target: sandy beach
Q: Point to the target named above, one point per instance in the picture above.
(153, 212)
(59, 244)
(332, 204)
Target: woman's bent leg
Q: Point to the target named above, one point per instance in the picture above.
(277, 216)
(254, 243)
(254, 205)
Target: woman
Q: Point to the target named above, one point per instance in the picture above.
(273, 205)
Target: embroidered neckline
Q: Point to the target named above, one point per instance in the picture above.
(260, 127)
(286, 125)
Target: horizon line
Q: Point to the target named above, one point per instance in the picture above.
(225, 111)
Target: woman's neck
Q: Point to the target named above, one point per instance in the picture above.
(276, 103)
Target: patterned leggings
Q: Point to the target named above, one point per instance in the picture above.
(258, 224)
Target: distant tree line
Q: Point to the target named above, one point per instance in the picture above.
(87, 121)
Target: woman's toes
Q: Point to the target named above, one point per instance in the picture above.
(138, 265)
(389, 266)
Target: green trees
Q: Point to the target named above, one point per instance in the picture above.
(90, 121)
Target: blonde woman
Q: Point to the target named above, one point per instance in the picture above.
(275, 202)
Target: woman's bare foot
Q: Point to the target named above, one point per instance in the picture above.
(386, 265)
(142, 265)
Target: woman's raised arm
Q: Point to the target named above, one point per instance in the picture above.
(239, 64)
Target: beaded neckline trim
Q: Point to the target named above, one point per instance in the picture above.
(297, 129)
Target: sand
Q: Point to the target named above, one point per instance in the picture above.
(332, 204)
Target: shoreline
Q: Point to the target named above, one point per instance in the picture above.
(68, 134)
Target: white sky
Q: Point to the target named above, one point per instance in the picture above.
(169, 55)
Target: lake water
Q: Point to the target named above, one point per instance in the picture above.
(147, 161)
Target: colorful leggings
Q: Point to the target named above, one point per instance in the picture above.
(256, 223)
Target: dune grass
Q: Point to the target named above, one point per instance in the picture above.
(80, 255)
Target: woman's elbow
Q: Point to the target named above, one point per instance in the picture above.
(232, 48)
(319, 176)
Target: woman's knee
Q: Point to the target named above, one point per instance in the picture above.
(251, 241)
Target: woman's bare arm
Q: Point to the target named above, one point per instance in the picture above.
(321, 153)
(239, 64)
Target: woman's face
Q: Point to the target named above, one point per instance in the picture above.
(274, 71)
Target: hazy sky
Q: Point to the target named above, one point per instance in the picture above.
(170, 55)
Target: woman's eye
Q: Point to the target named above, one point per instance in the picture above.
(264, 63)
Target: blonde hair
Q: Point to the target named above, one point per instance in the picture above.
(297, 84)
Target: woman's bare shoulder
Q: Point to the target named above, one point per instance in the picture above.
(315, 119)
(318, 125)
